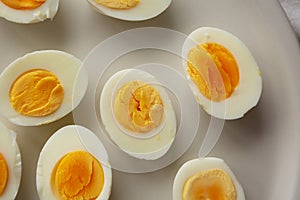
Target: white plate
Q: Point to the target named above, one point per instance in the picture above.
(263, 148)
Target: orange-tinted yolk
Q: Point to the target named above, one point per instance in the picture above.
(118, 4)
(3, 174)
(36, 93)
(23, 4)
(138, 107)
(216, 80)
(78, 175)
(209, 185)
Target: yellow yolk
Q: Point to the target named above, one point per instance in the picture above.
(215, 83)
(78, 175)
(118, 4)
(36, 93)
(213, 184)
(3, 174)
(23, 4)
(138, 107)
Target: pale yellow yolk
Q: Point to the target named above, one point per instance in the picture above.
(118, 4)
(213, 184)
(78, 175)
(215, 83)
(138, 107)
(3, 174)
(36, 93)
(23, 4)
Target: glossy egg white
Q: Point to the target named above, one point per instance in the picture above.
(66, 67)
(247, 94)
(68, 139)
(10, 151)
(146, 9)
(194, 166)
(46, 11)
(149, 148)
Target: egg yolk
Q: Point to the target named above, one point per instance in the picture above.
(216, 80)
(23, 4)
(118, 4)
(36, 93)
(3, 174)
(78, 175)
(138, 107)
(212, 184)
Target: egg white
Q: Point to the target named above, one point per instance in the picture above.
(46, 11)
(10, 150)
(150, 148)
(66, 67)
(247, 94)
(65, 140)
(146, 9)
(194, 166)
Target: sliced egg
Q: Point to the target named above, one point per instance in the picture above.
(28, 11)
(222, 73)
(10, 164)
(73, 164)
(131, 10)
(206, 178)
(138, 114)
(41, 87)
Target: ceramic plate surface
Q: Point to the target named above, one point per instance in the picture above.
(262, 148)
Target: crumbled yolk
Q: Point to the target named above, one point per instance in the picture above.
(212, 184)
(118, 4)
(78, 175)
(3, 174)
(138, 107)
(36, 93)
(23, 4)
(217, 80)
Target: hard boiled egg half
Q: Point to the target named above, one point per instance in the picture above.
(206, 178)
(73, 164)
(131, 10)
(10, 164)
(41, 87)
(222, 73)
(28, 11)
(138, 114)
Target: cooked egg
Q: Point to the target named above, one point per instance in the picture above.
(222, 73)
(10, 164)
(143, 106)
(206, 178)
(41, 87)
(73, 164)
(131, 10)
(28, 11)
(138, 114)
(118, 4)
